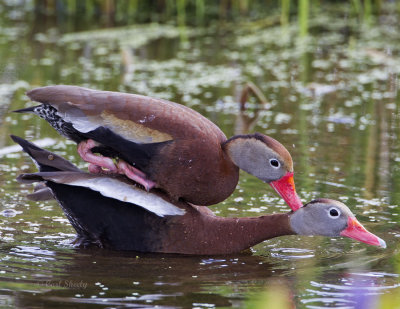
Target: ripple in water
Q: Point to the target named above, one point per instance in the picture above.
(292, 253)
(33, 254)
(357, 290)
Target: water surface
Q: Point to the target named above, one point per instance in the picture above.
(332, 100)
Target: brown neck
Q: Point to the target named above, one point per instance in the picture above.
(209, 234)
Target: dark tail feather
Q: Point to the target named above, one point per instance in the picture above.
(30, 178)
(45, 160)
(26, 146)
(40, 193)
(26, 109)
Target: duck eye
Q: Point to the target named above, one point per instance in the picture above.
(274, 163)
(334, 213)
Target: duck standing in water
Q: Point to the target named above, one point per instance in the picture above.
(161, 144)
(109, 212)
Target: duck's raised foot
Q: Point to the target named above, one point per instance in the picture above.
(98, 163)
(135, 174)
(105, 165)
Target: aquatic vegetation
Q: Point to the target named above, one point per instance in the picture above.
(132, 36)
(331, 97)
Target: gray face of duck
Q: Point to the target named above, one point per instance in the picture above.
(268, 160)
(331, 218)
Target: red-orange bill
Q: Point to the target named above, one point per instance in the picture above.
(356, 231)
(286, 189)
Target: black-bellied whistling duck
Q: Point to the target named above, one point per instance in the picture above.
(110, 212)
(162, 144)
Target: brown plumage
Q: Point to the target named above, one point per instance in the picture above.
(176, 148)
(97, 209)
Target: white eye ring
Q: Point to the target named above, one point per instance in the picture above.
(334, 213)
(275, 163)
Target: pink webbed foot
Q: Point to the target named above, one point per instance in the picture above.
(134, 174)
(99, 164)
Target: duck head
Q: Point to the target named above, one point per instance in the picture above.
(326, 217)
(268, 160)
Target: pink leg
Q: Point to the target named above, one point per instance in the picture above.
(84, 150)
(100, 164)
(95, 169)
(134, 174)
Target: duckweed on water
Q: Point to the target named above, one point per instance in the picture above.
(332, 99)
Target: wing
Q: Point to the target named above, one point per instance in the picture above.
(108, 186)
(56, 169)
(137, 118)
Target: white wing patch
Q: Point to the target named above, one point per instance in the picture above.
(78, 119)
(124, 192)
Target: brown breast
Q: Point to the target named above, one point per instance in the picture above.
(196, 170)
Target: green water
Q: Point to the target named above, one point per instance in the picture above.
(332, 100)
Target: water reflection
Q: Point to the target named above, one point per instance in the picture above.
(332, 100)
(353, 290)
(59, 276)
(114, 278)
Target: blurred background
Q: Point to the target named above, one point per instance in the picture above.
(322, 77)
